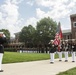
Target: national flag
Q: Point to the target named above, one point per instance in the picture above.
(56, 41)
(58, 36)
(59, 31)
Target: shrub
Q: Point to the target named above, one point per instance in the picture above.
(10, 49)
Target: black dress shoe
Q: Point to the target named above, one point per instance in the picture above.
(73, 61)
(51, 62)
(66, 60)
(60, 60)
(1, 70)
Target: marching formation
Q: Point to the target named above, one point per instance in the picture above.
(66, 46)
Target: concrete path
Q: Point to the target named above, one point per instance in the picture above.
(37, 67)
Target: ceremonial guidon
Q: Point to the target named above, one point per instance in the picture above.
(2, 41)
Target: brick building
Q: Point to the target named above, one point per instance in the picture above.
(67, 34)
(73, 25)
(71, 33)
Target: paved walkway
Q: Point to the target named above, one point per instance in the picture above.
(37, 67)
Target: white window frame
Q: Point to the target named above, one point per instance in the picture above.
(74, 24)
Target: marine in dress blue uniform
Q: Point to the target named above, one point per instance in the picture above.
(2, 41)
(61, 49)
(66, 50)
(73, 50)
(52, 50)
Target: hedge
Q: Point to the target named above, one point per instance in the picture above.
(10, 49)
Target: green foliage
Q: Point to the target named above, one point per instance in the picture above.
(46, 29)
(44, 32)
(10, 49)
(69, 72)
(26, 34)
(6, 32)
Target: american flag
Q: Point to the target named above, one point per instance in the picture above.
(57, 39)
(58, 36)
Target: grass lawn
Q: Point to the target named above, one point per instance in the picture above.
(69, 72)
(13, 57)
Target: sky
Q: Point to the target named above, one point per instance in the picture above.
(15, 14)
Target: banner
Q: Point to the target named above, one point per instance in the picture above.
(58, 36)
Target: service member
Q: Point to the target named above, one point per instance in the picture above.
(66, 50)
(2, 41)
(52, 50)
(73, 50)
(60, 53)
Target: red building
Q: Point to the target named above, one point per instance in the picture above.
(71, 33)
(73, 25)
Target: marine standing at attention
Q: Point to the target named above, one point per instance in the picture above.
(73, 50)
(52, 50)
(2, 41)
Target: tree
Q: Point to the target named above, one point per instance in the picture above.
(44, 32)
(26, 34)
(6, 32)
(46, 29)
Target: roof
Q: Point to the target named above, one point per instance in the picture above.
(66, 31)
(17, 33)
(1, 32)
(73, 15)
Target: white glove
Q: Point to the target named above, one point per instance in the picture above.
(4, 35)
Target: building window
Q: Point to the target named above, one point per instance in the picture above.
(73, 19)
(75, 35)
(68, 37)
(74, 24)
